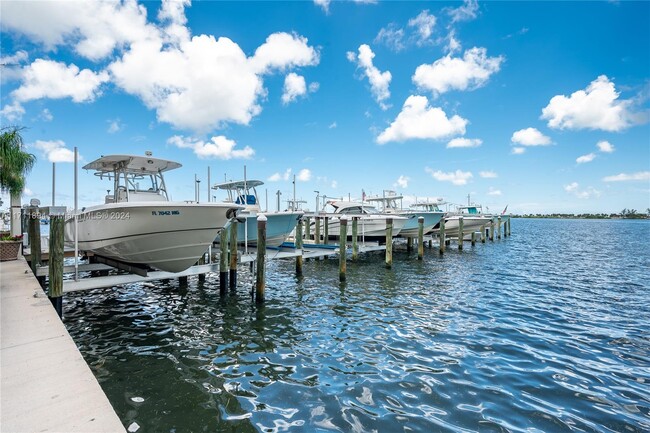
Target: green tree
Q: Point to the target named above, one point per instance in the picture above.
(15, 164)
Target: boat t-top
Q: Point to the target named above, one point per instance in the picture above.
(138, 224)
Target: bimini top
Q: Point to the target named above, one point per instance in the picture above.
(131, 164)
(238, 184)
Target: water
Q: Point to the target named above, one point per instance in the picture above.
(544, 331)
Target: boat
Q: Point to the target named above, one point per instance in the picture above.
(473, 221)
(371, 225)
(388, 204)
(138, 224)
(279, 225)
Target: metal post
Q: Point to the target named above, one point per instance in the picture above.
(209, 184)
(420, 238)
(233, 254)
(389, 242)
(261, 258)
(53, 182)
(343, 238)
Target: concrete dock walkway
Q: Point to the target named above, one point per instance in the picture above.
(45, 384)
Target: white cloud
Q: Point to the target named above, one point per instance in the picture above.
(466, 12)
(457, 177)
(379, 81)
(494, 192)
(13, 112)
(294, 86)
(596, 107)
(218, 147)
(313, 87)
(530, 137)
(464, 142)
(488, 174)
(324, 4)
(275, 177)
(402, 181)
(518, 150)
(334, 184)
(586, 158)
(49, 79)
(392, 36)
(449, 73)
(605, 146)
(574, 189)
(625, 177)
(453, 45)
(206, 82)
(54, 150)
(332, 125)
(424, 24)
(418, 120)
(46, 115)
(114, 126)
(11, 66)
(94, 28)
(304, 175)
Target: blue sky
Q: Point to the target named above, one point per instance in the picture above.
(542, 106)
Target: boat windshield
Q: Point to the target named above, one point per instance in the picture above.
(246, 199)
(356, 210)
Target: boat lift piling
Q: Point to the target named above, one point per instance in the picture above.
(389, 243)
(443, 241)
(261, 258)
(409, 244)
(223, 261)
(343, 238)
(499, 227)
(55, 287)
(326, 231)
(420, 237)
(473, 238)
(298, 244)
(233, 254)
(461, 234)
(34, 234)
(355, 241)
(492, 230)
(317, 230)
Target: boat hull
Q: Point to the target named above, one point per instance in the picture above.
(279, 226)
(411, 227)
(470, 224)
(170, 236)
(371, 228)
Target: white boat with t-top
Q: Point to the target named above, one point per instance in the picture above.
(137, 224)
(371, 225)
(279, 225)
(391, 203)
(473, 221)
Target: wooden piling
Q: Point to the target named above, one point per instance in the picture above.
(483, 230)
(55, 289)
(202, 262)
(461, 234)
(326, 231)
(307, 230)
(491, 229)
(499, 227)
(223, 260)
(389, 242)
(355, 241)
(409, 244)
(34, 232)
(473, 238)
(298, 244)
(420, 238)
(261, 258)
(442, 236)
(343, 229)
(233, 254)
(182, 281)
(509, 222)
(317, 231)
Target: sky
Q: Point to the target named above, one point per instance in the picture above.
(540, 106)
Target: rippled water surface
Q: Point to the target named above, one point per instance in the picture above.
(547, 330)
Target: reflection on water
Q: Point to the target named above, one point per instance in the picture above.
(543, 331)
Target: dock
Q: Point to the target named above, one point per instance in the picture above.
(46, 384)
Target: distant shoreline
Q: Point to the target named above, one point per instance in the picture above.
(585, 216)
